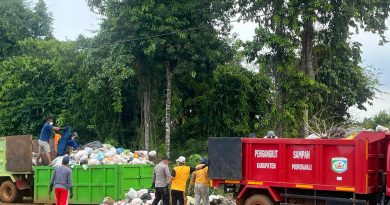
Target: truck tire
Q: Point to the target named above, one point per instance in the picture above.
(258, 199)
(8, 192)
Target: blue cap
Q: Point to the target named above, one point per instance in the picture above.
(204, 160)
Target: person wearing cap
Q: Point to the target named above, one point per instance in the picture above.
(161, 180)
(201, 180)
(72, 142)
(180, 175)
(62, 182)
(271, 134)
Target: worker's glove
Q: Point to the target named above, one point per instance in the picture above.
(71, 193)
(50, 188)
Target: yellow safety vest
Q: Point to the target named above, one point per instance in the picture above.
(202, 176)
(179, 182)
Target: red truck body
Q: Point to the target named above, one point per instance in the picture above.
(335, 165)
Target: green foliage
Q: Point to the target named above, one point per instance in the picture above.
(32, 86)
(98, 85)
(194, 160)
(283, 32)
(382, 118)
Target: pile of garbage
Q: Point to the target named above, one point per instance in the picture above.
(221, 200)
(146, 197)
(96, 153)
(132, 197)
(341, 133)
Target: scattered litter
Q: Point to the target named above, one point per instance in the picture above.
(108, 201)
(146, 197)
(132, 194)
(381, 128)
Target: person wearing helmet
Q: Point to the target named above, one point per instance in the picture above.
(180, 175)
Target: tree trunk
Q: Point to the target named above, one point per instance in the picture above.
(307, 66)
(168, 109)
(279, 98)
(146, 111)
(279, 76)
(144, 102)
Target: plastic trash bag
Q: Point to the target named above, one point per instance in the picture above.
(381, 128)
(94, 145)
(145, 197)
(89, 150)
(108, 200)
(85, 166)
(119, 150)
(152, 153)
(141, 192)
(136, 201)
(132, 194)
(81, 155)
(110, 152)
(93, 162)
(313, 136)
(100, 156)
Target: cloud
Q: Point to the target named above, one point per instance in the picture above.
(380, 103)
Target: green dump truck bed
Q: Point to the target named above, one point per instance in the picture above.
(91, 185)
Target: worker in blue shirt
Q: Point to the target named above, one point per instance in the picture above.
(44, 139)
(72, 142)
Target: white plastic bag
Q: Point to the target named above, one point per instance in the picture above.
(110, 153)
(152, 153)
(81, 154)
(141, 192)
(381, 128)
(313, 136)
(132, 194)
(89, 150)
(136, 201)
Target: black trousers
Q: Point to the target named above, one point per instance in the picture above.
(162, 193)
(177, 196)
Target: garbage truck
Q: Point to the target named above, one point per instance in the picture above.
(19, 179)
(303, 171)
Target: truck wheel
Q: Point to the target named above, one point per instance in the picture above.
(258, 199)
(8, 192)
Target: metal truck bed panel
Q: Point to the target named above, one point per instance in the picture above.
(325, 164)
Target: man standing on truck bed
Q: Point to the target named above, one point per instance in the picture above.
(180, 175)
(44, 139)
(62, 180)
(161, 180)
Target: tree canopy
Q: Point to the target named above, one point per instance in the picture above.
(167, 75)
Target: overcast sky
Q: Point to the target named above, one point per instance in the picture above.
(73, 17)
